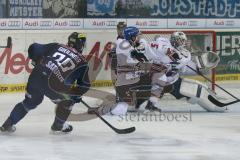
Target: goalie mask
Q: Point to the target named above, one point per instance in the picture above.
(77, 40)
(178, 39)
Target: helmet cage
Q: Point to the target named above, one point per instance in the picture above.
(178, 39)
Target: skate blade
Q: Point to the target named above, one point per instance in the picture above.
(58, 132)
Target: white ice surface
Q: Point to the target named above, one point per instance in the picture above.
(208, 136)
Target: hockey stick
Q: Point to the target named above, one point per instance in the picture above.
(119, 131)
(210, 97)
(220, 104)
(9, 43)
(225, 49)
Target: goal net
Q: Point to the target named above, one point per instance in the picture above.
(198, 42)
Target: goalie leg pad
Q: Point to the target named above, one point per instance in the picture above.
(175, 89)
(198, 93)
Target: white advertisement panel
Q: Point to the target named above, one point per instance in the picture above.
(186, 23)
(106, 23)
(11, 23)
(111, 23)
(37, 23)
(68, 23)
(223, 23)
(148, 23)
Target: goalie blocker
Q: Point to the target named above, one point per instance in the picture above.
(198, 93)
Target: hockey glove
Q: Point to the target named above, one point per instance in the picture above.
(173, 54)
(138, 55)
(174, 66)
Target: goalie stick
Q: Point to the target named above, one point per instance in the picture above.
(210, 97)
(223, 49)
(9, 43)
(220, 104)
(119, 131)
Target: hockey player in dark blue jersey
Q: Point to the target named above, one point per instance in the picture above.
(57, 68)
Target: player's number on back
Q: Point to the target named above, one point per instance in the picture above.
(63, 62)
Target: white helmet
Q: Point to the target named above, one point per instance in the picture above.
(178, 39)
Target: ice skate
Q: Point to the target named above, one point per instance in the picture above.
(7, 127)
(150, 107)
(58, 129)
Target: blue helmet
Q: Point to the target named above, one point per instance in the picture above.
(130, 32)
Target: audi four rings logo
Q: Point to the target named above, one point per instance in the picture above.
(14, 23)
(111, 23)
(153, 23)
(192, 23)
(230, 23)
(75, 23)
(46, 23)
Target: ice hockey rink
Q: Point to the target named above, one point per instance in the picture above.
(200, 136)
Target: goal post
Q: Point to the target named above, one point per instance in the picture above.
(199, 41)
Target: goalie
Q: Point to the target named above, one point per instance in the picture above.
(173, 57)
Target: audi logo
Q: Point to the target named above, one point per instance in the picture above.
(46, 23)
(230, 23)
(75, 23)
(192, 23)
(153, 23)
(14, 23)
(111, 23)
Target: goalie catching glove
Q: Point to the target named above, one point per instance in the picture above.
(208, 60)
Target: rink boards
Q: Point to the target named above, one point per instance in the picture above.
(15, 66)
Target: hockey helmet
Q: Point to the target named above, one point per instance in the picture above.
(120, 28)
(77, 41)
(130, 32)
(121, 25)
(178, 39)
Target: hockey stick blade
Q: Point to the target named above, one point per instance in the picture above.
(125, 131)
(119, 131)
(220, 104)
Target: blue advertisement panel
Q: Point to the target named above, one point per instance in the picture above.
(164, 8)
(197, 8)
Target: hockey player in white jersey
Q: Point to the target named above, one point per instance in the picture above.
(127, 76)
(112, 54)
(172, 54)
